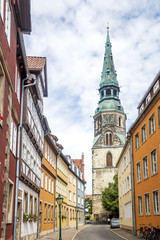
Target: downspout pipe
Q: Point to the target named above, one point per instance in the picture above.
(55, 217)
(133, 191)
(18, 151)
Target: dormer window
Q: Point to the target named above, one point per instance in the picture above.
(114, 92)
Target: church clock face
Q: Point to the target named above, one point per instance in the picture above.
(108, 119)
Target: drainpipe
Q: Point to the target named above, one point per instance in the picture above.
(133, 191)
(18, 151)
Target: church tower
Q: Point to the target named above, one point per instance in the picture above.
(109, 132)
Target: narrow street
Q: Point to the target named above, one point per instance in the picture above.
(97, 232)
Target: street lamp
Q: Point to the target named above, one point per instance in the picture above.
(76, 217)
(59, 201)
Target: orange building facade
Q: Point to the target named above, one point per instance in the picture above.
(48, 181)
(146, 157)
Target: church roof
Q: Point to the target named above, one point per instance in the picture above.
(109, 86)
(109, 75)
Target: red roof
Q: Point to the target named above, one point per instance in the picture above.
(36, 62)
(88, 196)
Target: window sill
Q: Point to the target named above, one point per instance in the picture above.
(155, 214)
(150, 135)
(147, 214)
(140, 215)
(153, 174)
(145, 178)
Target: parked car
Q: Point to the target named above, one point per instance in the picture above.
(114, 223)
(89, 222)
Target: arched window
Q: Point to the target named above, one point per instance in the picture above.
(109, 160)
(120, 121)
(109, 139)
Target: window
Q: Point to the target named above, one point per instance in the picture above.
(49, 185)
(128, 210)
(45, 150)
(42, 176)
(49, 212)
(82, 201)
(74, 197)
(137, 141)
(8, 21)
(109, 160)
(2, 85)
(145, 167)
(31, 204)
(70, 196)
(78, 199)
(154, 162)
(128, 184)
(108, 92)
(120, 121)
(78, 184)
(138, 172)
(109, 139)
(70, 178)
(45, 212)
(74, 181)
(147, 204)
(52, 186)
(140, 209)
(25, 210)
(151, 125)
(159, 116)
(52, 213)
(10, 201)
(2, 9)
(120, 212)
(17, 83)
(156, 201)
(35, 206)
(46, 182)
(13, 137)
(143, 133)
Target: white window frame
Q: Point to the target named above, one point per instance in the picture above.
(154, 164)
(8, 21)
(156, 206)
(145, 168)
(42, 176)
(143, 133)
(147, 203)
(140, 205)
(46, 177)
(10, 202)
(152, 124)
(137, 140)
(138, 168)
(49, 184)
(2, 9)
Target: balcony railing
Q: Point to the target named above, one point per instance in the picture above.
(28, 175)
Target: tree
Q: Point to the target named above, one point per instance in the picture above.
(110, 197)
(88, 205)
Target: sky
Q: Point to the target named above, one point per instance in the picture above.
(72, 35)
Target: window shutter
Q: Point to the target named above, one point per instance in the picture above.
(11, 133)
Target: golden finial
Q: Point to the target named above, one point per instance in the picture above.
(107, 27)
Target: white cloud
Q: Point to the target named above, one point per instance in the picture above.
(72, 35)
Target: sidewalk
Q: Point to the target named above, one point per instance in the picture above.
(123, 234)
(67, 234)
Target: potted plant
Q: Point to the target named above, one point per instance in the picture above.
(25, 217)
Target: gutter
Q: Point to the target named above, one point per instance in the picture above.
(18, 151)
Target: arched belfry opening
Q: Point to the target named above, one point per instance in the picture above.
(109, 138)
(109, 160)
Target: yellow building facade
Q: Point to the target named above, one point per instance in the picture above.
(125, 187)
(61, 188)
(71, 198)
(47, 191)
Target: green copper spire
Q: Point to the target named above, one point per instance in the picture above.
(109, 87)
(109, 75)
